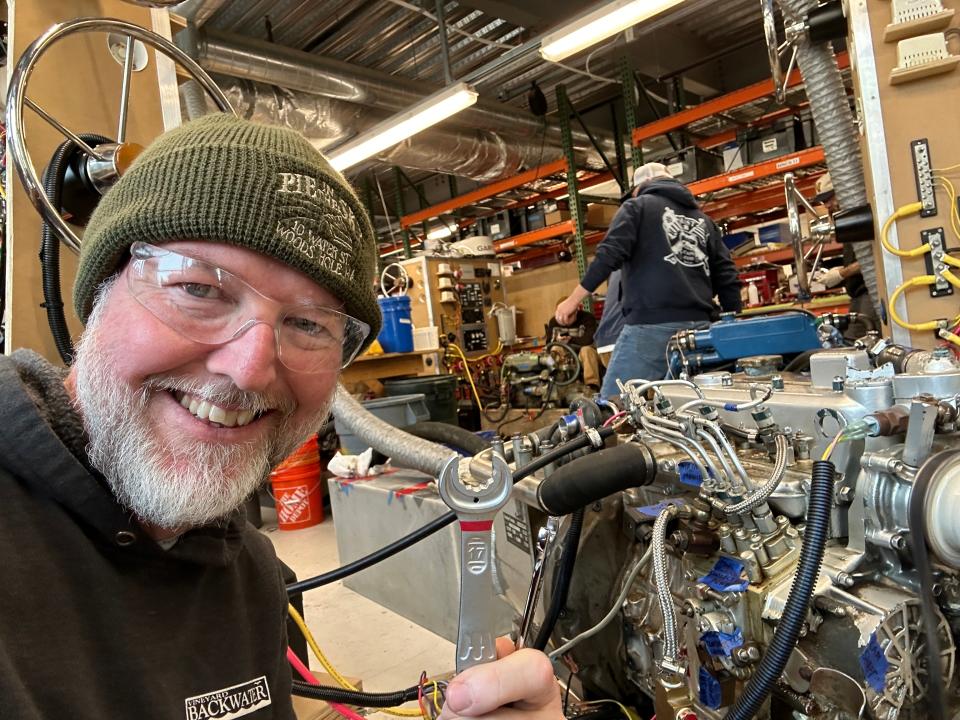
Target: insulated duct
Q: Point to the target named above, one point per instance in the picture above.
(838, 133)
(272, 64)
(481, 155)
(404, 449)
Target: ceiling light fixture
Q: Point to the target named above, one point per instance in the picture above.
(598, 25)
(429, 111)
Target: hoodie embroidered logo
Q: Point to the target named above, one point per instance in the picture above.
(232, 702)
(688, 239)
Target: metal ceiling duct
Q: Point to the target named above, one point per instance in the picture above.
(481, 155)
(272, 64)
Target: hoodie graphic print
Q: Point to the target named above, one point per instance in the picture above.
(688, 239)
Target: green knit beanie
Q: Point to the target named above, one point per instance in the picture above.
(228, 180)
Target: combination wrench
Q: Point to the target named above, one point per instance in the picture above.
(476, 489)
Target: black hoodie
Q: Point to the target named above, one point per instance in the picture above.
(672, 258)
(96, 620)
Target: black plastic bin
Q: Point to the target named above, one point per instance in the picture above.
(440, 393)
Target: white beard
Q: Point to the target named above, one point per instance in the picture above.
(173, 486)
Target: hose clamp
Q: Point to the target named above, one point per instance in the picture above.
(594, 435)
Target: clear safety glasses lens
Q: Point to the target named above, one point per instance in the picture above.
(209, 305)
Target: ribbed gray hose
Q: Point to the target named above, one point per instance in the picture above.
(403, 449)
(766, 490)
(837, 130)
(193, 98)
(671, 648)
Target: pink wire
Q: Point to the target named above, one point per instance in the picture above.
(305, 673)
(611, 420)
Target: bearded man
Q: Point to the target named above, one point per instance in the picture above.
(224, 282)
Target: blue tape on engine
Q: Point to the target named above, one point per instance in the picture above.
(689, 473)
(727, 575)
(732, 407)
(654, 510)
(721, 644)
(874, 664)
(709, 689)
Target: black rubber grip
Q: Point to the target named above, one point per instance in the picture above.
(593, 477)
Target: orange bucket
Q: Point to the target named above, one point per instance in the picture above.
(297, 490)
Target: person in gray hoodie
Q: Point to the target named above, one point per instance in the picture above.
(673, 263)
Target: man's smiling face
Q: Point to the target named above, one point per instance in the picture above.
(185, 431)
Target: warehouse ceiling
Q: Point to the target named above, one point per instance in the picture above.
(712, 47)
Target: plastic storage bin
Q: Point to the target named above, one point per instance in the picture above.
(397, 333)
(399, 411)
(440, 392)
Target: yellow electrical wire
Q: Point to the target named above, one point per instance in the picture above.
(950, 278)
(902, 212)
(946, 169)
(952, 197)
(623, 708)
(949, 337)
(833, 444)
(466, 367)
(493, 353)
(332, 671)
(914, 282)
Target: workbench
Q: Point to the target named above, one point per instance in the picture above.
(377, 367)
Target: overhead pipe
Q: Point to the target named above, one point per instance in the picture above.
(480, 155)
(836, 128)
(273, 64)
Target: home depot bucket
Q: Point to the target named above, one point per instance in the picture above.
(397, 333)
(297, 488)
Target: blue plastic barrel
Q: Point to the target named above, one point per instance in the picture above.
(397, 333)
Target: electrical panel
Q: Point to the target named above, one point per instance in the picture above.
(456, 295)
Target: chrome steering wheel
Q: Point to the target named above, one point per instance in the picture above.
(821, 231)
(394, 278)
(775, 50)
(104, 162)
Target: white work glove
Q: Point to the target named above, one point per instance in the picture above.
(832, 277)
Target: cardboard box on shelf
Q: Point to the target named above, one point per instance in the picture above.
(600, 214)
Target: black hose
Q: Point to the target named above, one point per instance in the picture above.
(583, 481)
(801, 362)
(561, 587)
(359, 698)
(794, 614)
(433, 526)
(373, 558)
(53, 177)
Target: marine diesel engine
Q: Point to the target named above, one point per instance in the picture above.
(745, 577)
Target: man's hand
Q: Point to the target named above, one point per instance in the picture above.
(518, 686)
(566, 312)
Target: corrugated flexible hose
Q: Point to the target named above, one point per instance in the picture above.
(402, 448)
(837, 130)
(794, 614)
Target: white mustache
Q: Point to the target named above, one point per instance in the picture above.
(219, 392)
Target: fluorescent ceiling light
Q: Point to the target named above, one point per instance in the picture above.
(598, 25)
(440, 233)
(427, 112)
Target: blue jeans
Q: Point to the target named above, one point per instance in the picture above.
(640, 352)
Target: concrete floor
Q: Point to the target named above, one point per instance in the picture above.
(361, 639)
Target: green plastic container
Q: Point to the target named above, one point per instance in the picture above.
(439, 391)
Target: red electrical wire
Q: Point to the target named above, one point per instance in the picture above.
(305, 673)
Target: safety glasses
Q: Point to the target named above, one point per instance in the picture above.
(209, 305)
